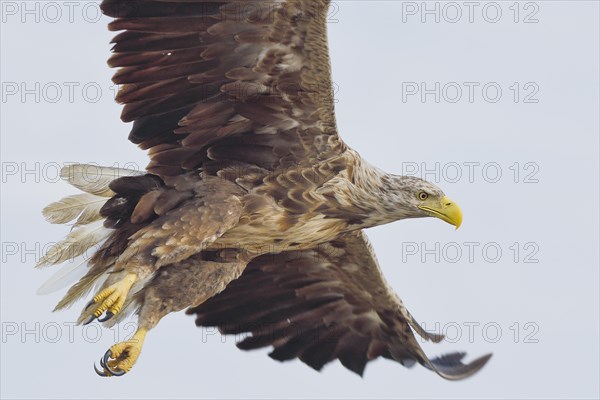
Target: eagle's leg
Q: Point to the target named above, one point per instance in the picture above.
(119, 359)
(172, 289)
(110, 299)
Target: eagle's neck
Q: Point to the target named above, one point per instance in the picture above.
(367, 196)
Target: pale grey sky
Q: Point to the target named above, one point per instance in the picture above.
(513, 138)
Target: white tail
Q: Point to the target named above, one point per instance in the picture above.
(88, 231)
(75, 244)
(71, 272)
(94, 179)
(85, 206)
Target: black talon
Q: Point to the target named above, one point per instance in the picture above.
(104, 364)
(115, 373)
(89, 321)
(108, 316)
(106, 357)
(91, 303)
(100, 373)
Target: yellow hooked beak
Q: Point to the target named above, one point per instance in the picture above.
(446, 210)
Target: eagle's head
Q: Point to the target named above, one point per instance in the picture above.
(417, 198)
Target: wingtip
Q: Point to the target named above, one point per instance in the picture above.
(450, 366)
(483, 359)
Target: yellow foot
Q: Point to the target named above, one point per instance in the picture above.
(119, 359)
(110, 300)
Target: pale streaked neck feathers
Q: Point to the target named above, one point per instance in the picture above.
(379, 197)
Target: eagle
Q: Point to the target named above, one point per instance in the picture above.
(252, 210)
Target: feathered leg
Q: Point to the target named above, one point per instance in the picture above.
(117, 289)
(174, 288)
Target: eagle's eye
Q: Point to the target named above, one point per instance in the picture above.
(423, 196)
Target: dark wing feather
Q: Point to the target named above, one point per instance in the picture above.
(199, 77)
(324, 304)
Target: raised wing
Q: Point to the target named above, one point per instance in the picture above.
(214, 83)
(325, 304)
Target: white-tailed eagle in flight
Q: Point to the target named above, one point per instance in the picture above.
(251, 212)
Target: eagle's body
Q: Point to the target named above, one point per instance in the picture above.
(319, 208)
(251, 212)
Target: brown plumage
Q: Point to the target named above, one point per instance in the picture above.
(251, 211)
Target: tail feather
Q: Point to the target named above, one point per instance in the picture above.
(85, 206)
(94, 179)
(71, 272)
(75, 244)
(90, 213)
(81, 289)
(88, 231)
